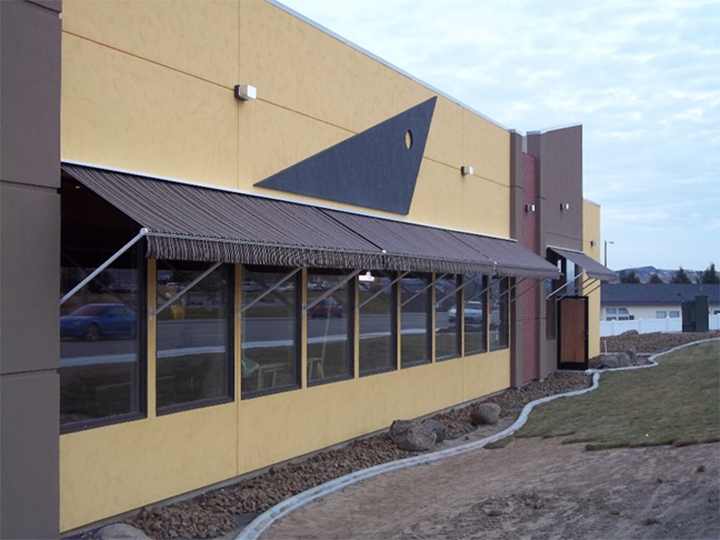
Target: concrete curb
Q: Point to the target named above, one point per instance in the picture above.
(266, 519)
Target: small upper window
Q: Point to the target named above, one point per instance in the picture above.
(661, 314)
(611, 311)
(674, 314)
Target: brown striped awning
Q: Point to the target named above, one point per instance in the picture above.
(593, 269)
(191, 222)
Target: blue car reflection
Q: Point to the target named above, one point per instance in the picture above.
(93, 321)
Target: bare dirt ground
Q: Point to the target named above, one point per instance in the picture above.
(534, 488)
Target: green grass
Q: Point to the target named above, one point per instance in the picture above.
(676, 403)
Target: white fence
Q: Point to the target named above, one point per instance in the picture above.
(647, 326)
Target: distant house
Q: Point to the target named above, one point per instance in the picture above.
(630, 301)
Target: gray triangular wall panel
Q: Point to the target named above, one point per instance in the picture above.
(373, 169)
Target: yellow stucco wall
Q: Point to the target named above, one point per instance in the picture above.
(591, 234)
(148, 87)
(138, 95)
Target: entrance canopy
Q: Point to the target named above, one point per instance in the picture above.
(593, 269)
(190, 222)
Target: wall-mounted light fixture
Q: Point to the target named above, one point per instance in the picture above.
(466, 170)
(564, 206)
(245, 92)
(593, 243)
(529, 207)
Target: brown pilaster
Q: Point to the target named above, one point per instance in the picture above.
(30, 37)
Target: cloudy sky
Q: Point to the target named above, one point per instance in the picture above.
(641, 76)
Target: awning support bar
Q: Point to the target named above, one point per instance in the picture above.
(182, 292)
(385, 288)
(431, 284)
(538, 282)
(331, 290)
(262, 295)
(465, 283)
(104, 265)
(593, 290)
(509, 290)
(581, 274)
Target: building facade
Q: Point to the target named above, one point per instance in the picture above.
(269, 242)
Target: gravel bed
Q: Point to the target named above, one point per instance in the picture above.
(211, 514)
(652, 343)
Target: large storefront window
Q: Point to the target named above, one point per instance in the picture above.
(474, 314)
(415, 297)
(102, 345)
(269, 330)
(378, 322)
(447, 319)
(194, 343)
(329, 328)
(498, 311)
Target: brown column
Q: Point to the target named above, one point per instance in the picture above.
(558, 157)
(516, 220)
(30, 37)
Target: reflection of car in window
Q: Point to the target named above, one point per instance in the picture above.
(93, 321)
(473, 312)
(326, 308)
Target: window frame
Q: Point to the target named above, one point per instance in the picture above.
(483, 299)
(142, 360)
(427, 294)
(229, 356)
(455, 279)
(392, 292)
(297, 281)
(349, 328)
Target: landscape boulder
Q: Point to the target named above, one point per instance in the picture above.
(120, 531)
(618, 360)
(632, 353)
(412, 435)
(485, 413)
(615, 360)
(438, 427)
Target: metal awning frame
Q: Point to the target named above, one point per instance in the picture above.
(188, 288)
(331, 290)
(269, 290)
(581, 274)
(143, 232)
(428, 286)
(385, 288)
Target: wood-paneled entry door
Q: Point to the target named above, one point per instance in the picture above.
(573, 333)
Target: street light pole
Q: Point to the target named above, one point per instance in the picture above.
(606, 243)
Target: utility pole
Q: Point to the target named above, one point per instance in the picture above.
(606, 243)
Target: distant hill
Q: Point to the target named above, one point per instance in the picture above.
(644, 273)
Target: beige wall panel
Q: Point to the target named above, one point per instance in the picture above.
(486, 207)
(486, 373)
(438, 198)
(114, 469)
(591, 232)
(123, 112)
(297, 66)
(486, 147)
(278, 427)
(445, 140)
(273, 138)
(199, 38)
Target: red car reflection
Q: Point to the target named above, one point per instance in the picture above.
(326, 308)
